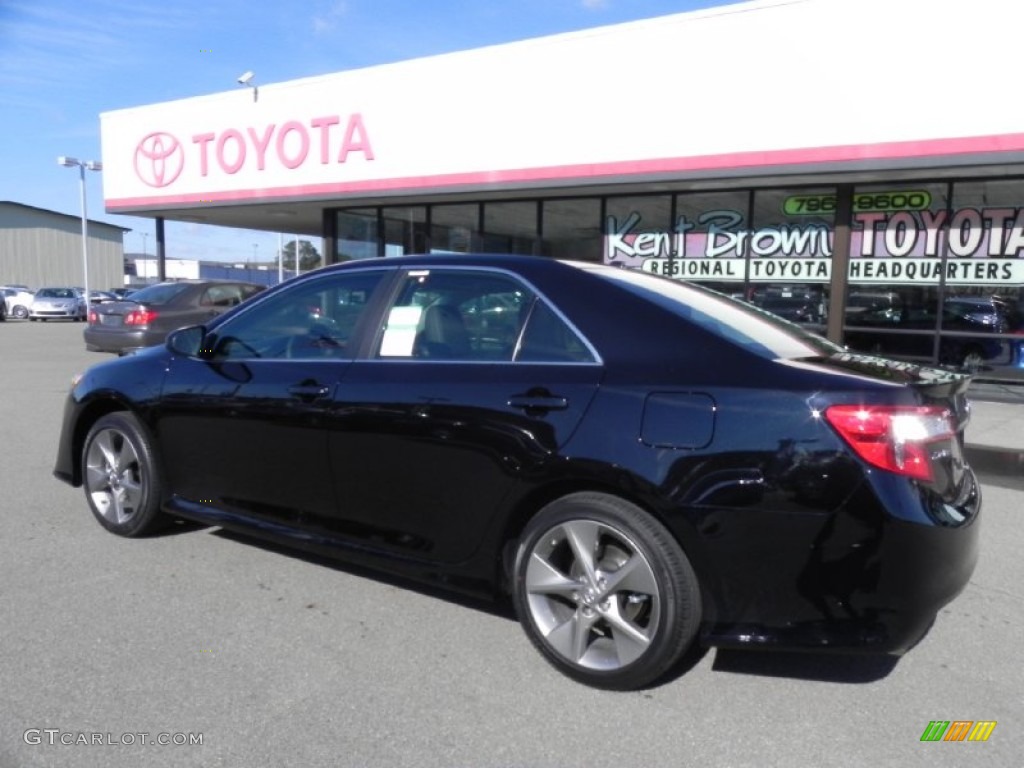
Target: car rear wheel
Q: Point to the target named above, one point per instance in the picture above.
(605, 592)
(19, 312)
(120, 475)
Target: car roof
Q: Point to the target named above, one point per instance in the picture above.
(199, 281)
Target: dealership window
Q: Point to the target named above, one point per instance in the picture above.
(454, 228)
(636, 214)
(982, 322)
(897, 248)
(511, 227)
(703, 227)
(789, 245)
(571, 229)
(405, 229)
(637, 227)
(357, 234)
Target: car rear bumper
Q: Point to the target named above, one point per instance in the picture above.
(864, 580)
(98, 339)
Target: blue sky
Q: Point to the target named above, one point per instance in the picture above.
(64, 62)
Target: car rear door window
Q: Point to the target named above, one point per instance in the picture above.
(476, 316)
(456, 315)
(221, 296)
(547, 338)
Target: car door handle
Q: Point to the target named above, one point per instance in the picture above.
(539, 403)
(308, 390)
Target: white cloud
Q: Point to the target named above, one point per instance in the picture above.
(326, 20)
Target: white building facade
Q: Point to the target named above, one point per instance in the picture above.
(864, 161)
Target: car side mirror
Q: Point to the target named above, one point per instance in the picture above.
(188, 341)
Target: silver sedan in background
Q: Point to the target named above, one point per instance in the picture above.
(57, 304)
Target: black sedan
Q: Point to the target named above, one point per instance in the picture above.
(146, 317)
(640, 464)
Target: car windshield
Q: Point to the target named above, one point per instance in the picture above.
(56, 293)
(161, 293)
(755, 330)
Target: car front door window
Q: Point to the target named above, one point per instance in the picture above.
(317, 320)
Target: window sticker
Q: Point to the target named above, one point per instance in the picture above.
(400, 332)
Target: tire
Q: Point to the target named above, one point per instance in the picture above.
(121, 477)
(595, 622)
(20, 312)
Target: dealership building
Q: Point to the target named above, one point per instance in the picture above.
(856, 167)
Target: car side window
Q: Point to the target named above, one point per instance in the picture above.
(314, 320)
(222, 296)
(547, 338)
(455, 315)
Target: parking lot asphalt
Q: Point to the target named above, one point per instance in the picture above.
(276, 659)
(995, 433)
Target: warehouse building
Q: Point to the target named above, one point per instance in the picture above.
(41, 248)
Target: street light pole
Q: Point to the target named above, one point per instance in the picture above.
(280, 257)
(83, 165)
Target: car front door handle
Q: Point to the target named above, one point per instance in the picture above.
(308, 390)
(538, 402)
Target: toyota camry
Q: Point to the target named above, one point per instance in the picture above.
(637, 464)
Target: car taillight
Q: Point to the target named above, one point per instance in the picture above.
(895, 438)
(141, 316)
(93, 317)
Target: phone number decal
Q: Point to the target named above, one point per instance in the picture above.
(868, 202)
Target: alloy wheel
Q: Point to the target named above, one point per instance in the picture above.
(113, 476)
(592, 594)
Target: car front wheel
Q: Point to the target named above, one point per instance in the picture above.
(121, 477)
(20, 312)
(605, 592)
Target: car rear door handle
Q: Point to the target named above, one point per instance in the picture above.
(308, 390)
(538, 402)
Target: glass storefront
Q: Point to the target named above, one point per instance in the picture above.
(935, 270)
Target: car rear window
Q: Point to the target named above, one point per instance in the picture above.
(757, 331)
(158, 294)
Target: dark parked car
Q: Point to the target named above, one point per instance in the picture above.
(148, 315)
(639, 463)
(796, 304)
(969, 324)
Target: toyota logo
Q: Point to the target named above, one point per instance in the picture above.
(159, 159)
